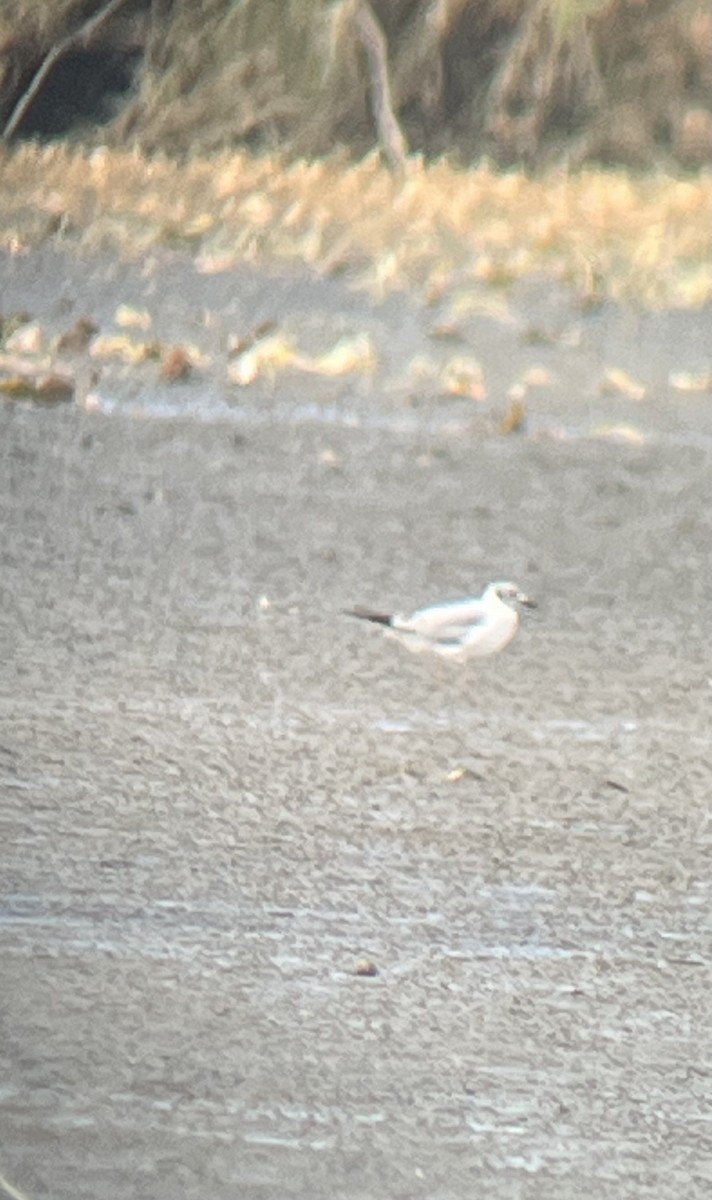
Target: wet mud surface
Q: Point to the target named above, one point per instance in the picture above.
(221, 799)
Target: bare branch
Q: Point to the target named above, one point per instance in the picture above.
(81, 36)
(374, 43)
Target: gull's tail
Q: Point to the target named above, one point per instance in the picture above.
(367, 614)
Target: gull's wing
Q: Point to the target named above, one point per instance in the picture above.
(447, 623)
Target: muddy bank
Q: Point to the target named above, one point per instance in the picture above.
(320, 350)
(219, 795)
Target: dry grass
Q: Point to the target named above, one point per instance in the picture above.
(641, 240)
(523, 82)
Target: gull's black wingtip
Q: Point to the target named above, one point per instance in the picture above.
(367, 614)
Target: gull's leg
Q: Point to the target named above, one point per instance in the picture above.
(445, 671)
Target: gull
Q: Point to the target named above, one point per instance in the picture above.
(471, 627)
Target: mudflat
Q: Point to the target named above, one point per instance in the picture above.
(288, 912)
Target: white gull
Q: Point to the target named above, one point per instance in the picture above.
(471, 627)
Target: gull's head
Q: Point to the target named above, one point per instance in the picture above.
(511, 594)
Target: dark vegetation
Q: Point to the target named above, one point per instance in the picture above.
(522, 82)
